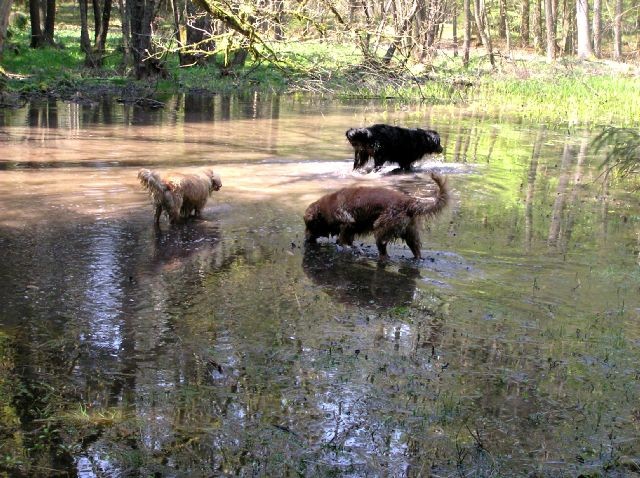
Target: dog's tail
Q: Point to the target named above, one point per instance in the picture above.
(151, 181)
(432, 206)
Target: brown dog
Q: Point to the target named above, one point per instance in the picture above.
(389, 214)
(179, 194)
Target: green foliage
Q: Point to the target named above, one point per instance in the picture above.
(623, 149)
(566, 93)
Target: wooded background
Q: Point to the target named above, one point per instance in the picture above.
(228, 32)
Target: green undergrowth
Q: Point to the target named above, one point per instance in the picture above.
(570, 92)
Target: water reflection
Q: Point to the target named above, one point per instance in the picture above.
(363, 284)
(224, 347)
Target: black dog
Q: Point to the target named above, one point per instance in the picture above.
(392, 144)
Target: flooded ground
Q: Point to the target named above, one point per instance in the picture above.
(225, 347)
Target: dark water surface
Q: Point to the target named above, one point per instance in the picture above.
(224, 347)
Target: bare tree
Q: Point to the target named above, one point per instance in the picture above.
(481, 21)
(141, 14)
(582, 24)
(550, 21)
(5, 10)
(37, 37)
(49, 22)
(568, 26)
(597, 28)
(94, 55)
(537, 26)
(524, 23)
(466, 45)
(617, 31)
(502, 19)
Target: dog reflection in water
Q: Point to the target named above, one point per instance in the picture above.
(179, 195)
(388, 214)
(360, 283)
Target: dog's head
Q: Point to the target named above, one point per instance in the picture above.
(431, 140)
(358, 136)
(315, 224)
(214, 180)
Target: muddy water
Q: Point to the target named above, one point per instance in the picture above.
(224, 346)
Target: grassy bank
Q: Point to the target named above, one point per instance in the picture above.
(571, 92)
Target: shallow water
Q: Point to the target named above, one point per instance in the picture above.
(224, 346)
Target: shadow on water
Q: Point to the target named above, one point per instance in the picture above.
(362, 284)
(224, 347)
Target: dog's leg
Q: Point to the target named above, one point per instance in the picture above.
(309, 238)
(360, 158)
(412, 238)
(157, 214)
(346, 236)
(381, 244)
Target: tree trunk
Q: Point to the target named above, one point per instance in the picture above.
(142, 13)
(101, 37)
(5, 10)
(551, 39)
(96, 18)
(524, 24)
(467, 33)
(85, 43)
(37, 38)
(502, 20)
(480, 15)
(617, 32)
(537, 26)
(597, 28)
(567, 27)
(125, 15)
(582, 24)
(455, 30)
(400, 33)
(49, 22)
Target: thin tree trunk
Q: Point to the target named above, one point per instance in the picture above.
(617, 32)
(455, 30)
(36, 28)
(101, 37)
(597, 28)
(582, 23)
(524, 24)
(5, 11)
(125, 15)
(466, 45)
(567, 27)
(537, 26)
(502, 20)
(480, 15)
(638, 27)
(551, 40)
(85, 43)
(96, 18)
(49, 22)
(178, 28)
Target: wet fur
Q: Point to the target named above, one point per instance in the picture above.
(392, 144)
(179, 195)
(388, 214)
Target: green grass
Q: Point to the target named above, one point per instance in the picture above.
(568, 92)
